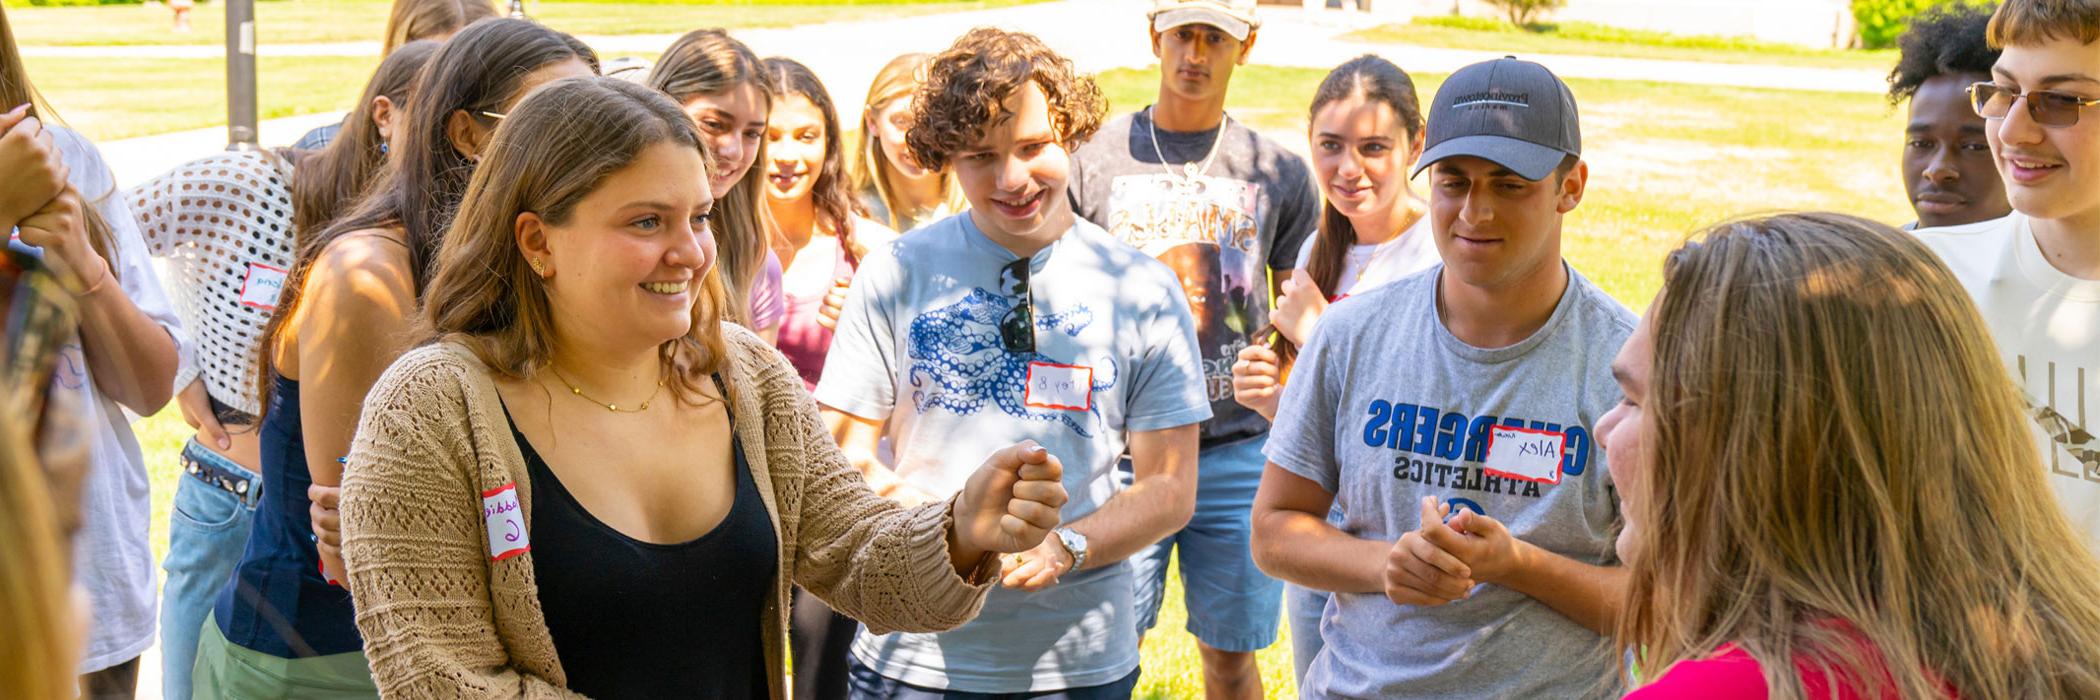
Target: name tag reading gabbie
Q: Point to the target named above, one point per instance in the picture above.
(1523, 453)
(1060, 387)
(261, 287)
(506, 523)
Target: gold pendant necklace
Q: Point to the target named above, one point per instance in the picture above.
(608, 406)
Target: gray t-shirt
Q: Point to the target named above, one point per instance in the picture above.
(919, 345)
(1387, 406)
(1220, 232)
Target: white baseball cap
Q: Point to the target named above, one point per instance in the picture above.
(1235, 17)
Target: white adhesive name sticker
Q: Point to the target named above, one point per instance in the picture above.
(261, 287)
(506, 523)
(1523, 453)
(1060, 387)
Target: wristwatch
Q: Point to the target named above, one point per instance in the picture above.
(1075, 544)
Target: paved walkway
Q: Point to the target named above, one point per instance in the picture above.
(1098, 34)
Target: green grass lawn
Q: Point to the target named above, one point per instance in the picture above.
(1582, 38)
(1665, 160)
(308, 21)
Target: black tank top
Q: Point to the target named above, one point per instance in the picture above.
(632, 619)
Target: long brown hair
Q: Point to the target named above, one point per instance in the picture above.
(333, 178)
(16, 90)
(1375, 79)
(554, 149)
(872, 170)
(710, 62)
(417, 20)
(1842, 476)
(477, 71)
(834, 203)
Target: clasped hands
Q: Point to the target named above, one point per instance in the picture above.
(1442, 560)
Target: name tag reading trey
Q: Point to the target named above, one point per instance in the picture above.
(1523, 453)
(1060, 387)
(506, 523)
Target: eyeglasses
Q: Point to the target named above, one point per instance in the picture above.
(1017, 328)
(2045, 107)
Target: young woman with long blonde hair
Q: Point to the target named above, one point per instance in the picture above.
(893, 189)
(1830, 486)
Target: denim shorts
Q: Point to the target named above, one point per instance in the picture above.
(1232, 605)
(214, 503)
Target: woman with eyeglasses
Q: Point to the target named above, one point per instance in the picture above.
(719, 82)
(588, 483)
(283, 626)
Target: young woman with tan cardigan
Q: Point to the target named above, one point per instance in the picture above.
(590, 482)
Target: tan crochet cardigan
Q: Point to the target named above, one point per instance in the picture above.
(441, 620)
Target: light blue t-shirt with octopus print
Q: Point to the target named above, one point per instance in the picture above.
(919, 345)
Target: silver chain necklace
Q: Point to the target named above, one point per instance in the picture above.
(1190, 170)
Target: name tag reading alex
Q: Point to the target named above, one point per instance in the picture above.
(1523, 453)
(261, 287)
(506, 523)
(1060, 387)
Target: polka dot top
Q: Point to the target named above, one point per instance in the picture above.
(223, 226)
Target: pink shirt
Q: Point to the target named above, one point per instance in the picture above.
(1732, 674)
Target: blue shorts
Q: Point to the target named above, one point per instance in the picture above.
(866, 684)
(214, 504)
(1232, 605)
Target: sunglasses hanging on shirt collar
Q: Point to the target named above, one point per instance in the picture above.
(1017, 328)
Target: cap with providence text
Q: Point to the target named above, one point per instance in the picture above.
(1513, 113)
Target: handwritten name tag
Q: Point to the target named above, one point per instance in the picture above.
(1523, 453)
(506, 522)
(261, 287)
(1060, 387)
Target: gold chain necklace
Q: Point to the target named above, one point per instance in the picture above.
(608, 406)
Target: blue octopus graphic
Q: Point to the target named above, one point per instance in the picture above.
(957, 363)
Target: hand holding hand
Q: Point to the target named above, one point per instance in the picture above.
(1418, 571)
(60, 228)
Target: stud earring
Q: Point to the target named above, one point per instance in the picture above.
(539, 267)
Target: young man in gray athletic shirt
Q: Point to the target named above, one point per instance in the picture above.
(1227, 209)
(1449, 413)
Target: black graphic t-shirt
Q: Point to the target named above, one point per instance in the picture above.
(1222, 229)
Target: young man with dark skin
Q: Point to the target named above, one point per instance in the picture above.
(1227, 209)
(1948, 172)
(1450, 415)
(2035, 274)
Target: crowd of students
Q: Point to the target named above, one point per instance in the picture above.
(528, 381)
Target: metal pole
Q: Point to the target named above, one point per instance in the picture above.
(241, 128)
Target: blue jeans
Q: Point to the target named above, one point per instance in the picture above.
(1305, 606)
(214, 503)
(865, 684)
(1232, 605)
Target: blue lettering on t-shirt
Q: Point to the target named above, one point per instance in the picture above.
(1448, 435)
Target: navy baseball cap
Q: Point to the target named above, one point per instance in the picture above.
(1513, 113)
